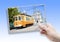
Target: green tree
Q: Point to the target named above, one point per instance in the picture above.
(12, 12)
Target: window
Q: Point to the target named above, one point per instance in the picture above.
(19, 18)
(27, 18)
(16, 18)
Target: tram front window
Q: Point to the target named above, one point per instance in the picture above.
(15, 18)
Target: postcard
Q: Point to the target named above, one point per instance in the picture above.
(25, 18)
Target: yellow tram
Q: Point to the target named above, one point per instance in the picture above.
(23, 20)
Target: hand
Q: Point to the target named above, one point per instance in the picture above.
(49, 31)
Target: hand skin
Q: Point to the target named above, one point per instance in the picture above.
(49, 32)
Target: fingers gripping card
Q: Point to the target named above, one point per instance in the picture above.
(25, 18)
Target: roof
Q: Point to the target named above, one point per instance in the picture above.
(23, 14)
(26, 14)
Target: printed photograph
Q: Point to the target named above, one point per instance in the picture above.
(25, 18)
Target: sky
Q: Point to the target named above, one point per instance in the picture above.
(52, 17)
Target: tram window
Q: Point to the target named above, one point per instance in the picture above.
(16, 18)
(27, 18)
(19, 18)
